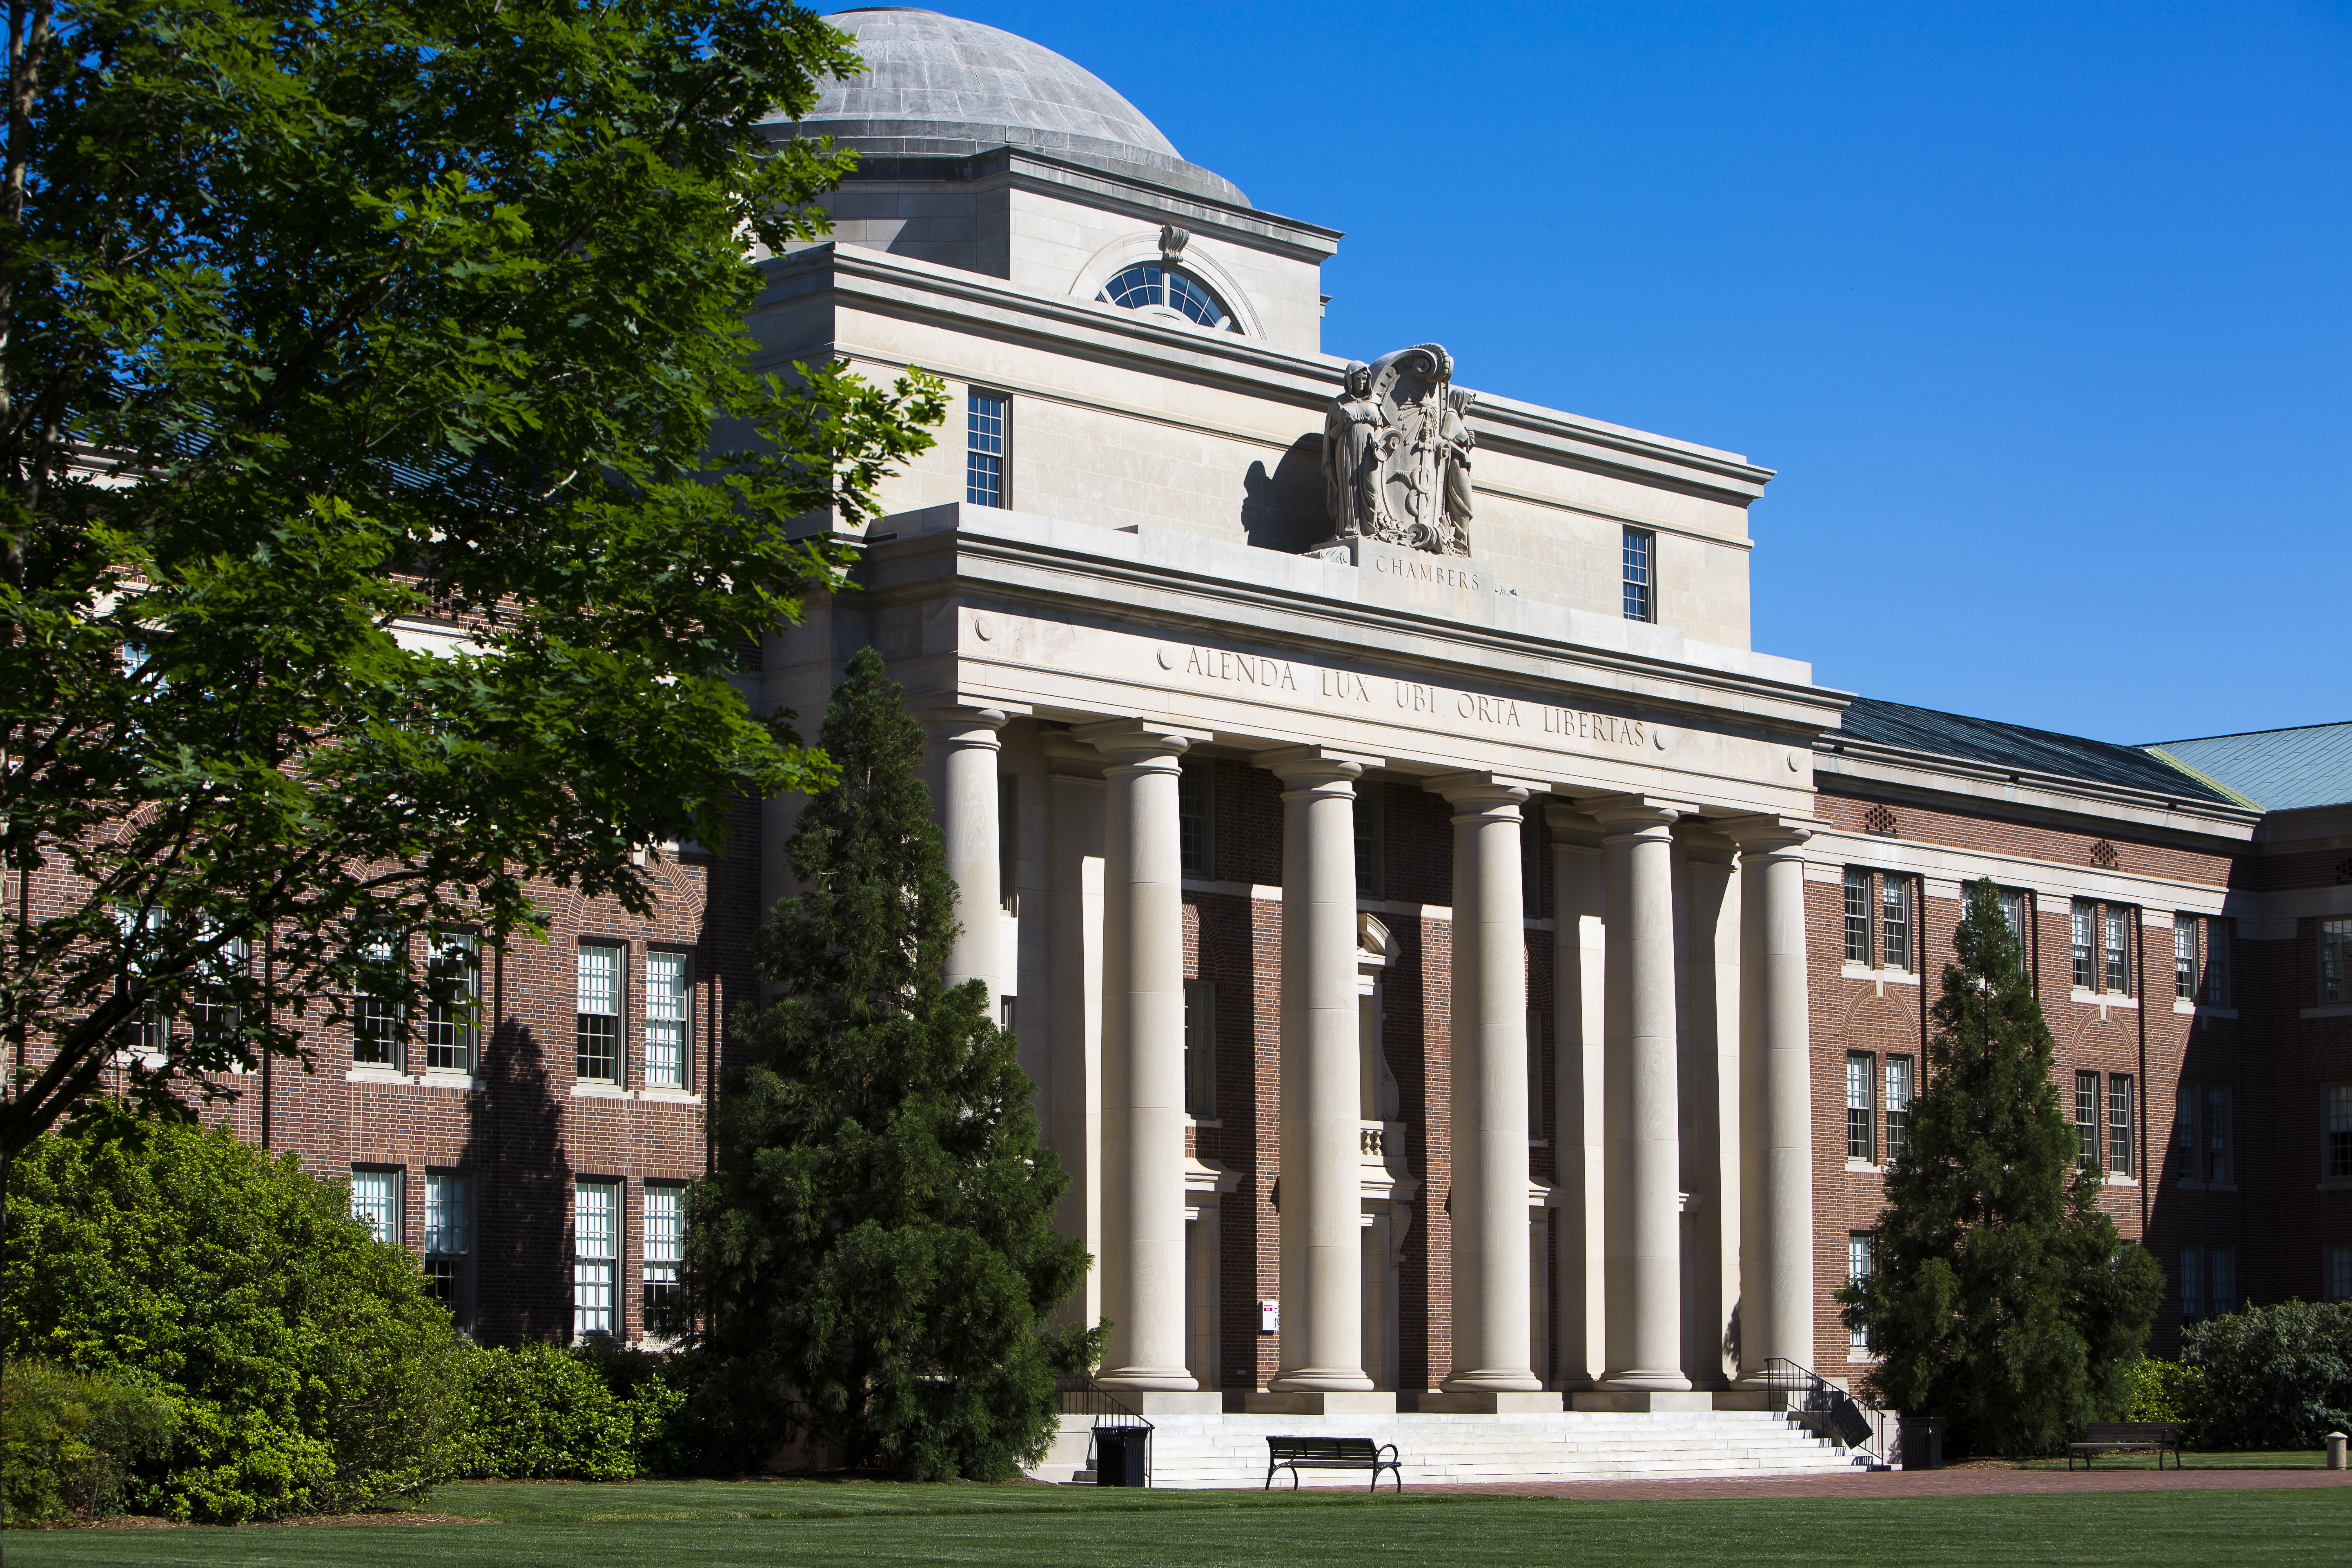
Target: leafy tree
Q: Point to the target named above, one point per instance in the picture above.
(2002, 1298)
(2273, 1377)
(70, 1438)
(323, 325)
(303, 1367)
(539, 1412)
(874, 1251)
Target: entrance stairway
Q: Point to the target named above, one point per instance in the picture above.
(1229, 1450)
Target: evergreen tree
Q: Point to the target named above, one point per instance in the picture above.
(2001, 1297)
(873, 1260)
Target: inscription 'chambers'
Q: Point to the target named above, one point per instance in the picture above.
(1410, 700)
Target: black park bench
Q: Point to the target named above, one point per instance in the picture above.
(2126, 1437)
(1331, 1454)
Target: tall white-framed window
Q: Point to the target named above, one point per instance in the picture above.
(2335, 961)
(669, 1018)
(662, 1251)
(153, 1032)
(212, 1005)
(375, 1012)
(1899, 1090)
(2081, 929)
(2335, 1270)
(2220, 1280)
(453, 1007)
(2219, 1137)
(375, 1201)
(2114, 949)
(596, 1257)
(1895, 921)
(988, 444)
(1858, 945)
(2017, 913)
(596, 1011)
(2336, 1132)
(1196, 817)
(449, 1243)
(2191, 1283)
(2122, 1109)
(1201, 1050)
(1861, 1108)
(1640, 558)
(2201, 959)
(1860, 1258)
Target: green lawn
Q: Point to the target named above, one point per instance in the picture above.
(724, 1525)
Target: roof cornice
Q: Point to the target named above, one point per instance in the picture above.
(1932, 778)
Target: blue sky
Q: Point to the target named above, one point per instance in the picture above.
(2040, 312)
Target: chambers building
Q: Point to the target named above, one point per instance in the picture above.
(1461, 974)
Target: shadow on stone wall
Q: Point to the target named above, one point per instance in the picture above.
(1283, 510)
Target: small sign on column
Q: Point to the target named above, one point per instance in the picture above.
(1269, 1317)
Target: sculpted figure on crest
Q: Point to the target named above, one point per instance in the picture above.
(1396, 453)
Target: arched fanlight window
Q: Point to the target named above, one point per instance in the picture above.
(1153, 286)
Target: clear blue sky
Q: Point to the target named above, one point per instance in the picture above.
(2042, 312)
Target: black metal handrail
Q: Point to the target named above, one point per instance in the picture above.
(1848, 1418)
(1081, 1395)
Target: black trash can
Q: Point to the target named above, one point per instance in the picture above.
(1923, 1442)
(1123, 1456)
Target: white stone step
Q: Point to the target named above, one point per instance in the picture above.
(1229, 1450)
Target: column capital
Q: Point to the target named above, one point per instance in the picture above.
(1139, 740)
(1303, 767)
(1764, 834)
(945, 718)
(1480, 791)
(1634, 815)
(1572, 827)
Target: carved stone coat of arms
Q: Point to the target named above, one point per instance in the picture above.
(1396, 453)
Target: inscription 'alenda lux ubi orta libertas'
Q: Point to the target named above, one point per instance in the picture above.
(1406, 698)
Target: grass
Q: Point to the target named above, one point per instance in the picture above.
(739, 1524)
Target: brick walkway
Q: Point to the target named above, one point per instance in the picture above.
(1914, 1483)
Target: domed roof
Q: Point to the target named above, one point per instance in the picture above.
(938, 86)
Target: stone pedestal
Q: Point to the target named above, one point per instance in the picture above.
(1642, 1401)
(1491, 1402)
(1320, 1402)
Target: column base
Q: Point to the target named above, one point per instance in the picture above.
(1750, 1399)
(1646, 1401)
(1320, 1402)
(1491, 1402)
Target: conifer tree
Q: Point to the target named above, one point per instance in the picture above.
(873, 1261)
(2001, 1297)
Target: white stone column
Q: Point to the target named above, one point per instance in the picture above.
(1710, 1158)
(1645, 1317)
(1579, 1263)
(1143, 1259)
(960, 749)
(1776, 1100)
(1491, 1349)
(1322, 1091)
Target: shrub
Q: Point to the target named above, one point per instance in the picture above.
(544, 1412)
(72, 1439)
(2167, 1390)
(2275, 1377)
(304, 1369)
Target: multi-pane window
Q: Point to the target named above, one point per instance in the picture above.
(376, 1015)
(2184, 957)
(664, 1248)
(2016, 914)
(595, 1254)
(1858, 947)
(2085, 916)
(453, 1002)
(1195, 818)
(2121, 1106)
(448, 1239)
(669, 1018)
(2201, 1142)
(1640, 552)
(1858, 1263)
(2335, 961)
(212, 1005)
(596, 1012)
(1201, 1050)
(153, 1032)
(1369, 798)
(1861, 1108)
(2335, 1263)
(988, 420)
(2114, 949)
(2089, 1118)
(2335, 1146)
(1894, 921)
(2209, 1281)
(2221, 1167)
(375, 1202)
(1899, 1107)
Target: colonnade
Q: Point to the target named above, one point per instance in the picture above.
(1143, 1214)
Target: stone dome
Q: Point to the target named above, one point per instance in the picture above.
(941, 87)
